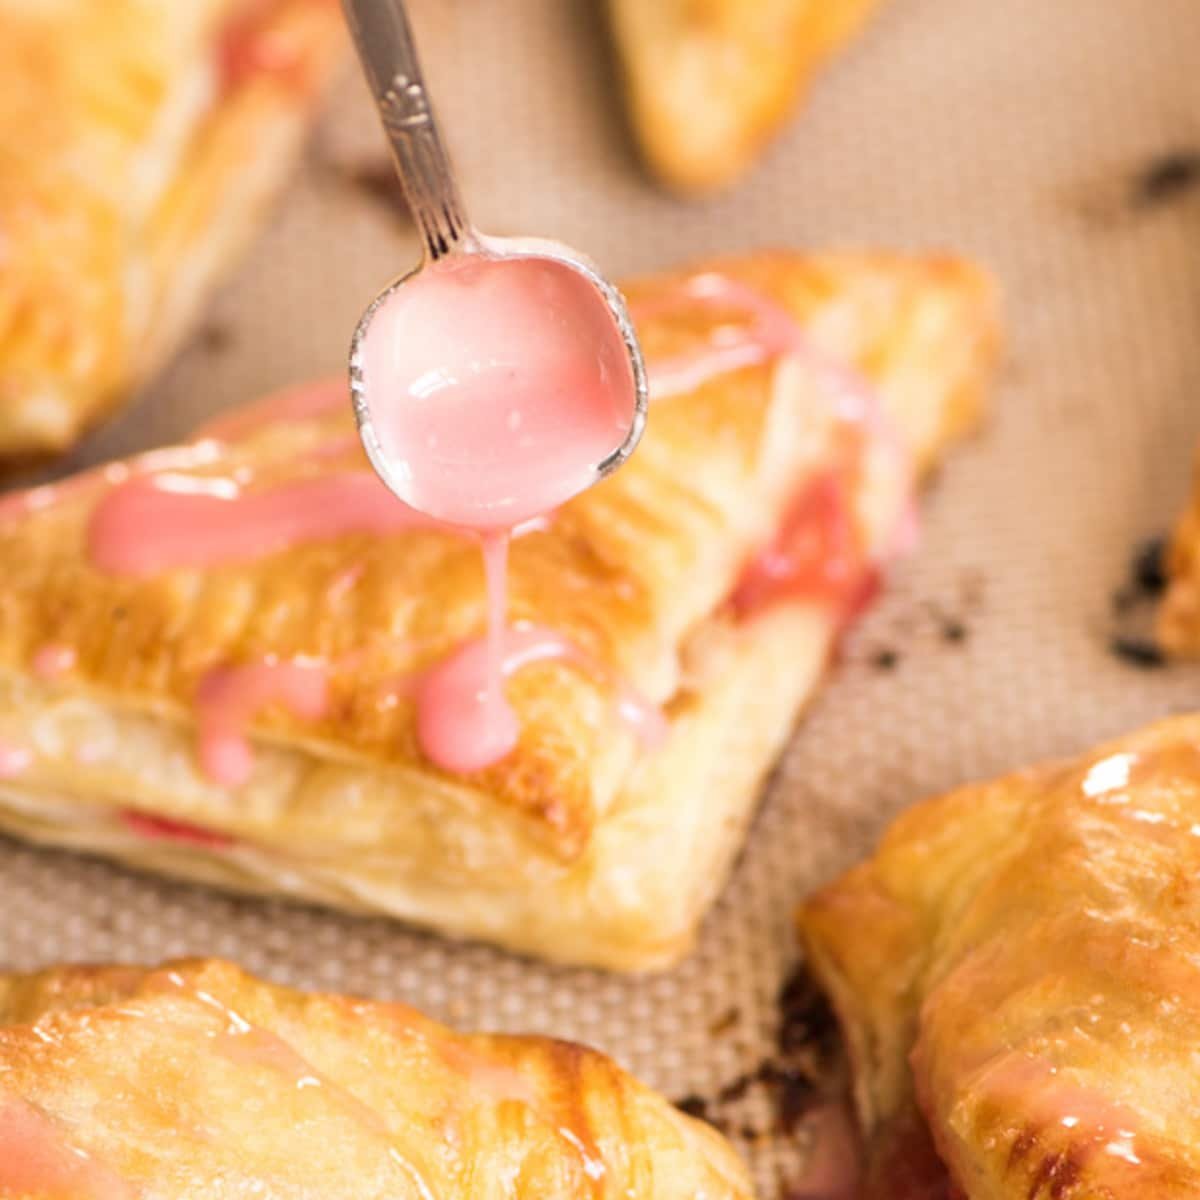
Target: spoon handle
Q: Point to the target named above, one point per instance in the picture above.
(389, 57)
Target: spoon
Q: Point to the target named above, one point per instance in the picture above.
(502, 376)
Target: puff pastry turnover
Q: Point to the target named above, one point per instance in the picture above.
(1179, 614)
(195, 1079)
(139, 140)
(1016, 975)
(709, 81)
(793, 401)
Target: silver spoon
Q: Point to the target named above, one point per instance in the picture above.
(389, 57)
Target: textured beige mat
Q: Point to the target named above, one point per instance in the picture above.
(1017, 132)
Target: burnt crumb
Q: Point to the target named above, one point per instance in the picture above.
(1166, 178)
(693, 1105)
(800, 1074)
(1146, 578)
(805, 1018)
(1148, 571)
(953, 630)
(1138, 652)
(738, 1086)
(885, 660)
(216, 338)
(1133, 603)
(725, 1022)
(951, 627)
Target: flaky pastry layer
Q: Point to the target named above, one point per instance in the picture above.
(582, 845)
(1015, 974)
(139, 142)
(197, 1079)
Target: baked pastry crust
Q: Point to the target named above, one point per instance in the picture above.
(1016, 966)
(197, 1079)
(709, 82)
(139, 142)
(581, 845)
(1178, 626)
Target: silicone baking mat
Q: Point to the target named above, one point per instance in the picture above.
(1057, 142)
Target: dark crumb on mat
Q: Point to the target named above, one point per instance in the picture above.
(216, 338)
(1149, 567)
(1133, 605)
(1166, 178)
(738, 1086)
(805, 1019)
(885, 660)
(953, 630)
(725, 1022)
(1146, 579)
(694, 1106)
(804, 1069)
(1138, 652)
(951, 627)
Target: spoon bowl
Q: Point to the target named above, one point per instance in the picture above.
(494, 384)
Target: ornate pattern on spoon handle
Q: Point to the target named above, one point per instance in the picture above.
(389, 57)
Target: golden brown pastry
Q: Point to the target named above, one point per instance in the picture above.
(253, 608)
(709, 81)
(1179, 614)
(1015, 972)
(139, 140)
(195, 1079)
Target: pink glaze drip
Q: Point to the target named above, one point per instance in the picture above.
(26, 502)
(167, 521)
(230, 697)
(306, 402)
(163, 829)
(53, 661)
(456, 724)
(38, 1159)
(496, 388)
(771, 333)
(833, 1170)
(14, 760)
(500, 720)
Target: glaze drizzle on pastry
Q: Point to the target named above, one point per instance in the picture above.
(39, 1159)
(153, 516)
